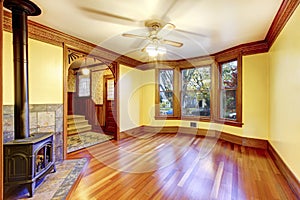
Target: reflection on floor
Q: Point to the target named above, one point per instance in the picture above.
(86, 139)
(55, 185)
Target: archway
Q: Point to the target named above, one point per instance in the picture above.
(90, 96)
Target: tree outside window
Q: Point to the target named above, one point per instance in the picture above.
(195, 96)
(166, 99)
(229, 84)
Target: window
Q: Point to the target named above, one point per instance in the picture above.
(195, 96)
(110, 89)
(208, 92)
(84, 86)
(230, 92)
(229, 83)
(166, 98)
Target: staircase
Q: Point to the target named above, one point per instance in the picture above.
(77, 124)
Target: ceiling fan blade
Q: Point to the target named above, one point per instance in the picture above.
(110, 17)
(165, 30)
(144, 48)
(134, 36)
(172, 43)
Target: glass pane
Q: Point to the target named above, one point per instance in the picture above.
(196, 103)
(196, 78)
(110, 89)
(166, 103)
(166, 80)
(84, 86)
(229, 75)
(195, 99)
(228, 104)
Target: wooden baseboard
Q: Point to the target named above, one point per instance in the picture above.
(249, 142)
(285, 171)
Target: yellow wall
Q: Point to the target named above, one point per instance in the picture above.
(129, 97)
(45, 72)
(285, 94)
(255, 101)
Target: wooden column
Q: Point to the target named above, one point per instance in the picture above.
(1, 133)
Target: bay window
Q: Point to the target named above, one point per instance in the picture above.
(209, 92)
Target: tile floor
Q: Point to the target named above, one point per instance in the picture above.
(54, 186)
(86, 139)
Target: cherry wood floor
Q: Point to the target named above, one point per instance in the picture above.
(170, 166)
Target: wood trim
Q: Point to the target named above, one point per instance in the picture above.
(244, 49)
(284, 13)
(65, 98)
(239, 96)
(285, 171)
(117, 97)
(46, 34)
(1, 101)
(235, 139)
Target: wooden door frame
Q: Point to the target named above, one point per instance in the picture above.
(1, 102)
(105, 78)
(113, 66)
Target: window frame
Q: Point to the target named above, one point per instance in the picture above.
(233, 122)
(157, 94)
(198, 118)
(215, 91)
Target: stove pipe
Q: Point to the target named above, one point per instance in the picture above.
(20, 10)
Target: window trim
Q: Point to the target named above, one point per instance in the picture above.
(198, 118)
(214, 92)
(238, 121)
(157, 95)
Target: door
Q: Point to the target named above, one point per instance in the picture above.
(110, 108)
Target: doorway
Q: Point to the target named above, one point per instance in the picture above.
(109, 105)
(90, 114)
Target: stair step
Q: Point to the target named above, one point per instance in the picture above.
(72, 119)
(79, 129)
(75, 117)
(74, 124)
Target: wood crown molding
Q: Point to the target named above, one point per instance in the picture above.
(284, 13)
(285, 171)
(48, 35)
(244, 141)
(52, 36)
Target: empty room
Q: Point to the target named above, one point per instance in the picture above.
(170, 99)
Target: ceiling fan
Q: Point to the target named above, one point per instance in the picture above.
(156, 39)
(158, 29)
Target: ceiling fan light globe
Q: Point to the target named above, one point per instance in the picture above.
(152, 53)
(151, 50)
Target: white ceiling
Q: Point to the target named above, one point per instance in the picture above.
(216, 24)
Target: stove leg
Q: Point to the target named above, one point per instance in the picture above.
(31, 187)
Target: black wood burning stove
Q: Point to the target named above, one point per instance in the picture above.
(28, 157)
(27, 160)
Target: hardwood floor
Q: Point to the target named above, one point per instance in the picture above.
(169, 166)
